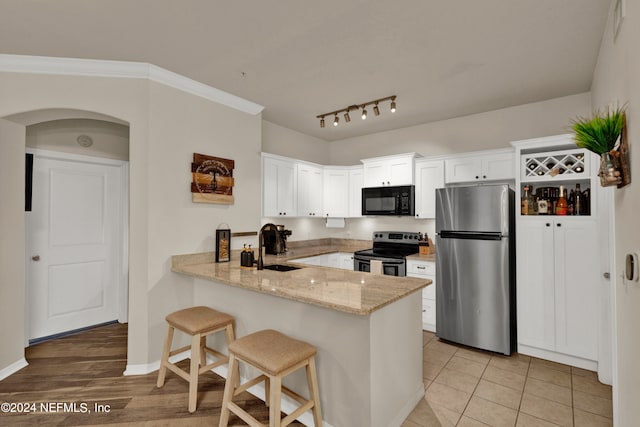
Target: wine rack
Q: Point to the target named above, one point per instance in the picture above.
(555, 165)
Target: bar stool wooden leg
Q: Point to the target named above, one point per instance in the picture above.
(229, 390)
(230, 338)
(193, 371)
(274, 401)
(203, 353)
(165, 356)
(314, 394)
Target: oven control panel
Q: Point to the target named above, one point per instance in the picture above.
(396, 236)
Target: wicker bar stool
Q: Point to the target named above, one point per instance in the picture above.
(275, 355)
(198, 322)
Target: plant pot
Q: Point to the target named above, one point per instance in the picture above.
(609, 170)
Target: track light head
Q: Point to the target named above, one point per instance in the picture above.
(347, 118)
(376, 110)
(364, 113)
(336, 119)
(322, 122)
(393, 106)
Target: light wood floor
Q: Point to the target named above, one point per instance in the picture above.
(87, 368)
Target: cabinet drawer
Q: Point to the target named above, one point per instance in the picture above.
(429, 311)
(421, 268)
(430, 291)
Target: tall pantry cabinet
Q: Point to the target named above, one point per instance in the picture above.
(558, 256)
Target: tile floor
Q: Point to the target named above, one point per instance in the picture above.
(467, 388)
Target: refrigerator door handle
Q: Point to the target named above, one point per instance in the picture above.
(470, 235)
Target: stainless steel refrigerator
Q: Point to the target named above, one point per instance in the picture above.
(475, 274)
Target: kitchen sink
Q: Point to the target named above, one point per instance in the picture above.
(281, 267)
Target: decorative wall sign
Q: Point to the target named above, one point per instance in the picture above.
(212, 179)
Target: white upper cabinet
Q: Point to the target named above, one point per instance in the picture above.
(336, 192)
(356, 182)
(487, 166)
(310, 190)
(279, 187)
(390, 170)
(429, 177)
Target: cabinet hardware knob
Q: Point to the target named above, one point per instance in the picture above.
(421, 267)
(558, 225)
(547, 224)
(607, 275)
(36, 257)
(477, 177)
(484, 176)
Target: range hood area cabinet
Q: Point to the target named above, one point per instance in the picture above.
(389, 171)
(494, 165)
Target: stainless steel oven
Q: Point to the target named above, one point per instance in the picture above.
(390, 248)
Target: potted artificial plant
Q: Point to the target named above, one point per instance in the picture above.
(601, 135)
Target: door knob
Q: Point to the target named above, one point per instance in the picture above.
(36, 257)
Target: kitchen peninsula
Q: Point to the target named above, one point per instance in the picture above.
(366, 327)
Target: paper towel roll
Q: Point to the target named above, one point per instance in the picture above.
(335, 223)
(375, 266)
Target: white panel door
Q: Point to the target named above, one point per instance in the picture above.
(429, 177)
(72, 234)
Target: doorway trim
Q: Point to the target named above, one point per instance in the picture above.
(122, 259)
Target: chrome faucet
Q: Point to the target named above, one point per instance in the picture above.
(261, 243)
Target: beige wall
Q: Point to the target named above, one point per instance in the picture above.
(110, 140)
(617, 81)
(493, 129)
(11, 242)
(290, 143)
(166, 127)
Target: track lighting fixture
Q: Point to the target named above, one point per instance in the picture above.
(363, 107)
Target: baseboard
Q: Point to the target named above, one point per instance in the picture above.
(147, 368)
(565, 359)
(13, 368)
(407, 409)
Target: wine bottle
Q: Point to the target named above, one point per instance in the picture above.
(579, 202)
(561, 203)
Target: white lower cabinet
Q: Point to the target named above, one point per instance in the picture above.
(558, 278)
(342, 260)
(425, 270)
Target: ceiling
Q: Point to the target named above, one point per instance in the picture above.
(299, 59)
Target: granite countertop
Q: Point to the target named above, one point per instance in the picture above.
(343, 290)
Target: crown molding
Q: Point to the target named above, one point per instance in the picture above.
(123, 69)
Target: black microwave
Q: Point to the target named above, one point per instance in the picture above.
(398, 200)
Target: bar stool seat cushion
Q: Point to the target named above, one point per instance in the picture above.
(198, 320)
(271, 351)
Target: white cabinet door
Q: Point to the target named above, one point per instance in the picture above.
(279, 191)
(429, 177)
(376, 173)
(557, 285)
(498, 166)
(577, 270)
(356, 182)
(462, 169)
(535, 283)
(392, 170)
(310, 190)
(401, 171)
(483, 167)
(336, 193)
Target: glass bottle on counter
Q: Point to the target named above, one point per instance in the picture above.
(561, 203)
(527, 203)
